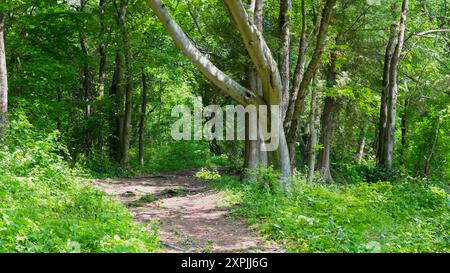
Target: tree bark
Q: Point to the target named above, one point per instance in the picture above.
(270, 77)
(329, 111)
(215, 75)
(102, 51)
(313, 122)
(404, 120)
(126, 127)
(432, 149)
(261, 57)
(116, 112)
(382, 133)
(253, 154)
(142, 119)
(393, 89)
(3, 75)
(362, 144)
(87, 86)
(299, 69)
(309, 74)
(87, 79)
(285, 39)
(325, 138)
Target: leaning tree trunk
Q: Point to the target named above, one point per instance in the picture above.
(393, 89)
(264, 64)
(307, 78)
(3, 75)
(271, 82)
(299, 70)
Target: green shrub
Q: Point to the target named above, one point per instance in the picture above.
(355, 217)
(45, 207)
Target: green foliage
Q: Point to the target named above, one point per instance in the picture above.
(176, 155)
(44, 207)
(208, 175)
(359, 217)
(148, 198)
(53, 75)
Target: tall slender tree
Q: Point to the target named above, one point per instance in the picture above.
(142, 118)
(382, 132)
(308, 76)
(3, 74)
(285, 40)
(393, 89)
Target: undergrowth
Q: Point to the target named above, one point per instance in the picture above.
(46, 207)
(390, 216)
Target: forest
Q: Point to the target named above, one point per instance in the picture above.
(356, 97)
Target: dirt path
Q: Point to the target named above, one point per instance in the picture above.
(189, 213)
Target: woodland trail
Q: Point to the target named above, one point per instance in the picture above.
(191, 215)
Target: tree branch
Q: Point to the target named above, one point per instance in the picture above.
(259, 52)
(215, 75)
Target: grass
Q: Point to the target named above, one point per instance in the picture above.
(358, 217)
(46, 207)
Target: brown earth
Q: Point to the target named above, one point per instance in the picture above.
(191, 215)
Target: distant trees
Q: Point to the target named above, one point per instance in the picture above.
(260, 54)
(274, 79)
(88, 72)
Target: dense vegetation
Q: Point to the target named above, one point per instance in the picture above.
(399, 216)
(87, 89)
(46, 207)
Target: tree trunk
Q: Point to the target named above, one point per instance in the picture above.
(285, 39)
(87, 79)
(116, 113)
(313, 122)
(393, 89)
(102, 51)
(307, 77)
(382, 133)
(254, 157)
(261, 57)
(299, 70)
(325, 138)
(327, 122)
(253, 154)
(362, 144)
(432, 149)
(142, 119)
(87, 85)
(126, 128)
(404, 120)
(3, 75)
